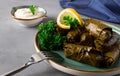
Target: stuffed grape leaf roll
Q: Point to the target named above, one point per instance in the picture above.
(111, 56)
(73, 35)
(83, 54)
(96, 28)
(86, 39)
(103, 46)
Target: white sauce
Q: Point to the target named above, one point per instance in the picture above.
(25, 13)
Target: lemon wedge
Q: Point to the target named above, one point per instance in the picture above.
(68, 12)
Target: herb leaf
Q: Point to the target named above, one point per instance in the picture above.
(48, 39)
(70, 21)
(32, 9)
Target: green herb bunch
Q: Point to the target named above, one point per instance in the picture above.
(32, 9)
(73, 22)
(48, 39)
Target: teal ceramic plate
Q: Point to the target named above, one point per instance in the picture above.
(76, 68)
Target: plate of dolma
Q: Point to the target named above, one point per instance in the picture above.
(95, 52)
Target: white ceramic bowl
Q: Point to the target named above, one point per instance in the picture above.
(28, 22)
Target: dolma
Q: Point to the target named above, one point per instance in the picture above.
(86, 39)
(83, 54)
(112, 55)
(98, 29)
(61, 31)
(103, 46)
(73, 35)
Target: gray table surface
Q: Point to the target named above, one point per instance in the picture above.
(17, 43)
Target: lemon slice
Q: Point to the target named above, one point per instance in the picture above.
(68, 12)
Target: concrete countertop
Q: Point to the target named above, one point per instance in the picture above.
(17, 43)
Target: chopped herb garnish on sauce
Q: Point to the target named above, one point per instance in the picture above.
(32, 9)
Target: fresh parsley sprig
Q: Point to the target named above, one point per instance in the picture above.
(32, 9)
(48, 39)
(72, 22)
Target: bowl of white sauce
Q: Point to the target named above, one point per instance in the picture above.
(26, 17)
